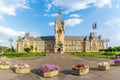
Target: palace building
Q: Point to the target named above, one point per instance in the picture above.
(60, 43)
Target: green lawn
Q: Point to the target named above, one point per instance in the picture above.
(16, 54)
(90, 54)
(97, 54)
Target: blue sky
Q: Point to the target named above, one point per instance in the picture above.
(38, 16)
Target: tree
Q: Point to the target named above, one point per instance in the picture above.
(36, 49)
(27, 50)
(13, 50)
(110, 49)
(102, 50)
(5, 49)
(117, 48)
(9, 50)
(31, 47)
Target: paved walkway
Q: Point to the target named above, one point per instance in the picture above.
(65, 62)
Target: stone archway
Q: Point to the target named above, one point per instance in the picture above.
(59, 50)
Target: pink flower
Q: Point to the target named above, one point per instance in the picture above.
(48, 67)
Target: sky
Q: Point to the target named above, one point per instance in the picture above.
(37, 17)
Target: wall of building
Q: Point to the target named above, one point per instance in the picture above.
(74, 46)
(89, 45)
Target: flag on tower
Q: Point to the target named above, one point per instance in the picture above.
(94, 26)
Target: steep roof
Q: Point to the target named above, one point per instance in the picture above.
(45, 38)
(52, 38)
(74, 38)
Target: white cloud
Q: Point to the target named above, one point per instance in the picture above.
(113, 22)
(73, 5)
(38, 15)
(34, 34)
(9, 7)
(113, 31)
(74, 15)
(48, 4)
(49, 7)
(1, 17)
(54, 15)
(10, 32)
(51, 24)
(45, 14)
(117, 6)
(2, 41)
(114, 26)
(102, 3)
(73, 22)
(70, 22)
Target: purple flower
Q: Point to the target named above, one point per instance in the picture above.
(117, 61)
(48, 67)
(22, 64)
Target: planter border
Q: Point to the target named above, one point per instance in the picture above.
(5, 67)
(80, 72)
(104, 68)
(22, 70)
(49, 74)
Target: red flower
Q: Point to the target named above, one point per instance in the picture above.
(79, 65)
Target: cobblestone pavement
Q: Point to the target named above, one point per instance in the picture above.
(65, 62)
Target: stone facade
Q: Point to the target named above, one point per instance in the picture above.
(60, 43)
(59, 35)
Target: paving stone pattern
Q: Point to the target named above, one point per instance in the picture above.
(65, 62)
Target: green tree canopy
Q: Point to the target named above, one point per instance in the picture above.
(31, 47)
(27, 50)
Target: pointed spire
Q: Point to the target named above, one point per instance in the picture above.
(26, 34)
(59, 20)
(59, 11)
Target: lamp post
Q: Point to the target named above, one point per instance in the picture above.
(106, 42)
(45, 49)
(11, 41)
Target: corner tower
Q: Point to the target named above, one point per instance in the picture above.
(59, 34)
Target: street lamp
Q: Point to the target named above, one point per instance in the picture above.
(11, 41)
(106, 42)
(45, 49)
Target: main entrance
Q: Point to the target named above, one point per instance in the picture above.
(59, 50)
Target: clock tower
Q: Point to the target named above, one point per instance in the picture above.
(59, 34)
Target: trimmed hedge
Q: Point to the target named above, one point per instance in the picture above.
(15, 54)
(95, 54)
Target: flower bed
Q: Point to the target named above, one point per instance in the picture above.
(103, 66)
(48, 70)
(4, 64)
(117, 62)
(22, 68)
(80, 69)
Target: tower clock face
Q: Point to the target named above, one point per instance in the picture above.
(60, 31)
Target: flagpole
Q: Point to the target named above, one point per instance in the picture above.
(94, 28)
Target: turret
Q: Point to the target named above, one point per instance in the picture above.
(92, 35)
(26, 36)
